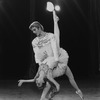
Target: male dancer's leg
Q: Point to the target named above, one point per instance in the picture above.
(48, 74)
(50, 78)
(45, 91)
(52, 91)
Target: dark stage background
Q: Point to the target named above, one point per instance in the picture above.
(80, 35)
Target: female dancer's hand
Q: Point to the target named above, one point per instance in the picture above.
(20, 82)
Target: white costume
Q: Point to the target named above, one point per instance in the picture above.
(63, 61)
(45, 50)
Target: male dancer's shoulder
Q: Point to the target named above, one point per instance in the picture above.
(34, 41)
(51, 35)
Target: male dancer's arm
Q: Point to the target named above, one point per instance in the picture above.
(35, 49)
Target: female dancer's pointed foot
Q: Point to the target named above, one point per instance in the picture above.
(80, 94)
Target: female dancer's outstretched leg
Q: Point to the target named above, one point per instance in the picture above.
(73, 83)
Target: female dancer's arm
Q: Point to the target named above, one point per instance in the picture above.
(29, 80)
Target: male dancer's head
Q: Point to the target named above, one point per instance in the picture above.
(37, 28)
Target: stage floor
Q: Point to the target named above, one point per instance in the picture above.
(28, 91)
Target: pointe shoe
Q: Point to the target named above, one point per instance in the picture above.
(80, 94)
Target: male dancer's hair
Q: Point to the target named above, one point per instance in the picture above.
(37, 25)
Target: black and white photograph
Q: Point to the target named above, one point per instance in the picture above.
(49, 49)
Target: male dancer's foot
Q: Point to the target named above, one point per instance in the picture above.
(52, 93)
